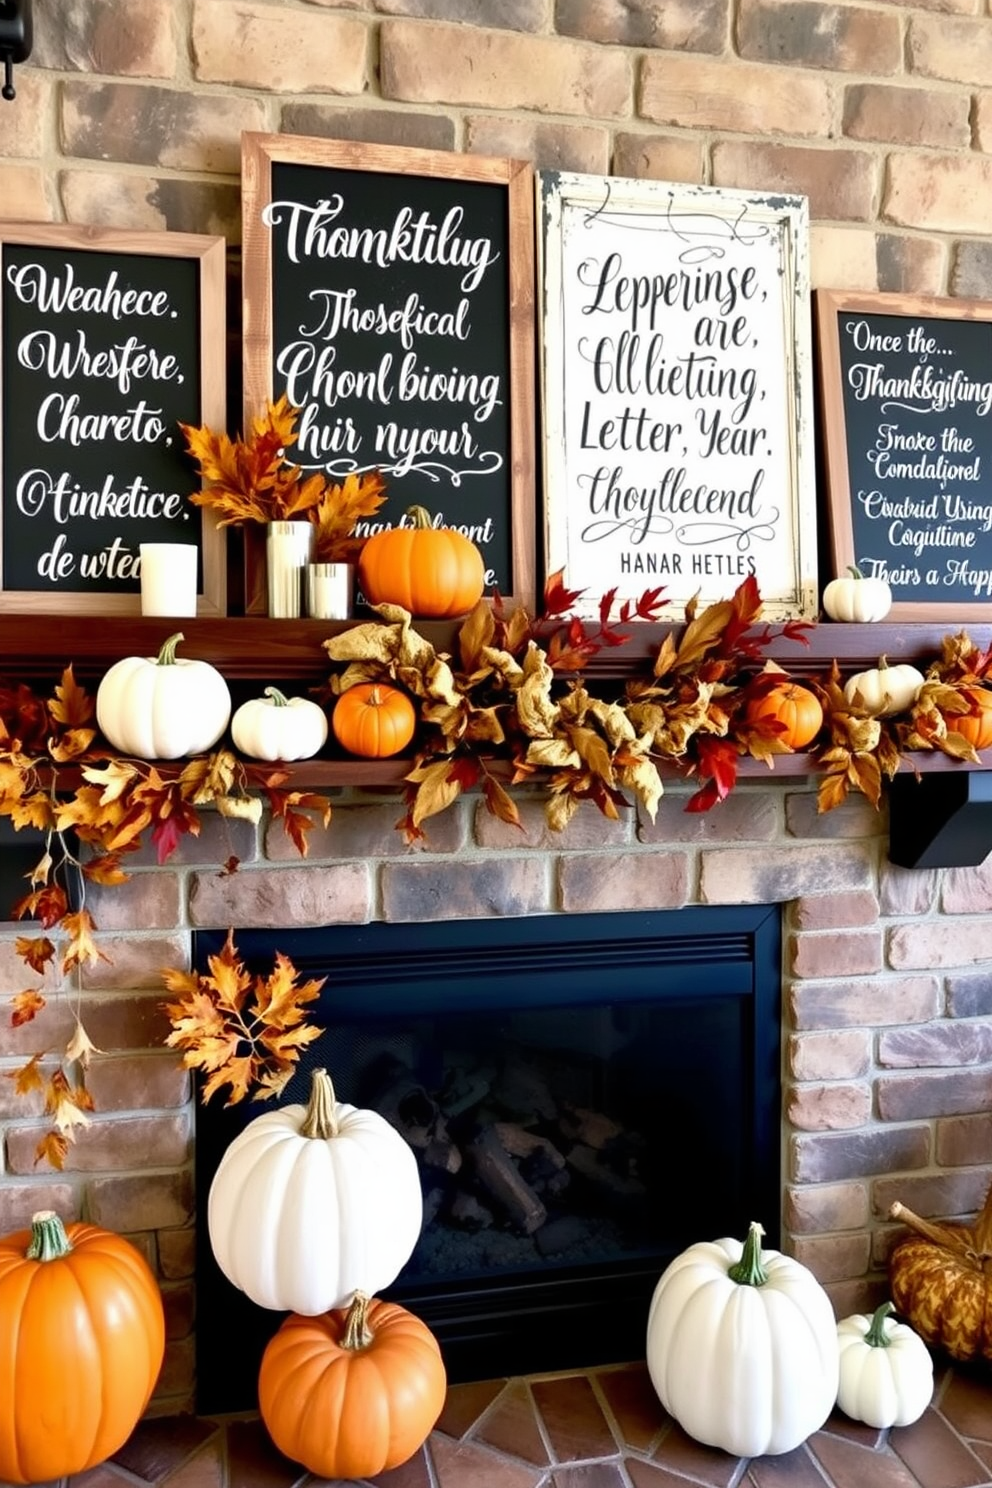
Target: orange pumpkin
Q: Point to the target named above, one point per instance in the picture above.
(351, 1394)
(795, 708)
(941, 1284)
(975, 725)
(434, 572)
(83, 1333)
(373, 720)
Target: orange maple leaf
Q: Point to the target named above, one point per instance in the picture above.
(35, 950)
(25, 1006)
(82, 947)
(28, 1076)
(52, 1149)
(72, 704)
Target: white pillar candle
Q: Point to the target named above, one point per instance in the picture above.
(168, 578)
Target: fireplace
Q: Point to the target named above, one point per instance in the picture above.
(585, 1096)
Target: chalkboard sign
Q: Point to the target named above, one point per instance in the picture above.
(389, 294)
(906, 396)
(676, 392)
(110, 340)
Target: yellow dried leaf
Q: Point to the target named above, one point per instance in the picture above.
(437, 787)
(243, 808)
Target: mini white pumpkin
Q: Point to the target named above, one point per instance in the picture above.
(884, 690)
(275, 727)
(853, 597)
(742, 1347)
(311, 1204)
(162, 707)
(886, 1372)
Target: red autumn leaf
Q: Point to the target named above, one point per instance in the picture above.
(47, 904)
(231, 865)
(166, 836)
(557, 599)
(25, 1007)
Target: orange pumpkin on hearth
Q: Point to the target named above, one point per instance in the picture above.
(941, 1282)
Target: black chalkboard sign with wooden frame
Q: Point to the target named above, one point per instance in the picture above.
(110, 338)
(906, 415)
(389, 292)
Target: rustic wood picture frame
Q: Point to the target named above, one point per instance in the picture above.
(676, 375)
(262, 154)
(901, 476)
(119, 247)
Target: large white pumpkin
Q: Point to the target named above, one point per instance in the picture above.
(164, 706)
(311, 1204)
(742, 1347)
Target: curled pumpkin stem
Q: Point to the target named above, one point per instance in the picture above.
(953, 1240)
(357, 1333)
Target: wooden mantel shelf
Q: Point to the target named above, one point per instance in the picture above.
(36, 649)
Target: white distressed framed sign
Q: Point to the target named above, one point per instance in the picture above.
(677, 392)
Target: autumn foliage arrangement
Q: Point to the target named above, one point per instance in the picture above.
(511, 706)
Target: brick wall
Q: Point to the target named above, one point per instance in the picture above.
(887, 1002)
(129, 116)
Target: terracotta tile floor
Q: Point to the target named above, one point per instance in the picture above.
(603, 1429)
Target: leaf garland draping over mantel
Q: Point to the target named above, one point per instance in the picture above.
(510, 708)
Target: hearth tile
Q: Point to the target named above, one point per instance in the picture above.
(160, 1444)
(204, 1470)
(634, 1404)
(253, 1460)
(589, 1475)
(855, 1431)
(938, 1457)
(649, 1475)
(680, 1453)
(967, 1403)
(105, 1475)
(790, 1470)
(464, 1465)
(464, 1405)
(984, 1451)
(511, 1426)
(573, 1418)
(413, 1473)
(850, 1466)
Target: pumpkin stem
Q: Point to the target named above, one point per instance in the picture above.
(49, 1241)
(420, 517)
(855, 571)
(320, 1119)
(876, 1336)
(167, 654)
(279, 698)
(749, 1271)
(953, 1240)
(357, 1333)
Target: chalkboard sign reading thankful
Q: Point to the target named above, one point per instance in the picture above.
(676, 389)
(396, 319)
(907, 406)
(103, 337)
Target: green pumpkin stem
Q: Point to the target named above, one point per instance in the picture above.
(855, 571)
(420, 517)
(357, 1333)
(320, 1119)
(49, 1241)
(876, 1337)
(749, 1271)
(167, 654)
(279, 698)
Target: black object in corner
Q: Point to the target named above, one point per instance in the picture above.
(943, 820)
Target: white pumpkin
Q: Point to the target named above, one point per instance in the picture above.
(886, 1372)
(742, 1347)
(275, 727)
(311, 1204)
(162, 707)
(884, 690)
(853, 597)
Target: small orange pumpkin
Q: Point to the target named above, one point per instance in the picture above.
(351, 1394)
(795, 708)
(434, 572)
(83, 1332)
(976, 724)
(373, 720)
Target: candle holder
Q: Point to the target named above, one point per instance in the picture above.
(168, 578)
(330, 590)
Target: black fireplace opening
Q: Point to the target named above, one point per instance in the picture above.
(585, 1096)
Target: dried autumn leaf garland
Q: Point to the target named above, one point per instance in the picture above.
(514, 692)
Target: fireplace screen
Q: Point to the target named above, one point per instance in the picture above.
(584, 1097)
